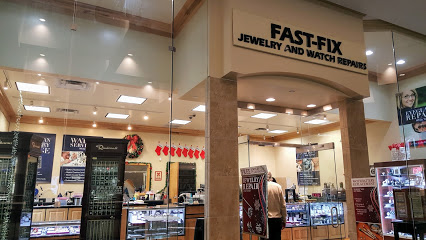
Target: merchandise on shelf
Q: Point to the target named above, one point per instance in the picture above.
(396, 175)
(53, 229)
(297, 215)
(326, 213)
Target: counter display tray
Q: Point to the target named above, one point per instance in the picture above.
(55, 229)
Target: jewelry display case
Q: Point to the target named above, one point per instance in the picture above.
(55, 229)
(155, 223)
(326, 213)
(297, 215)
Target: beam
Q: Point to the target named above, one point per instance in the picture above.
(185, 14)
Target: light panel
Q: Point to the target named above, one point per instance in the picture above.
(36, 108)
(200, 108)
(117, 116)
(132, 100)
(264, 115)
(35, 88)
(317, 121)
(277, 131)
(180, 122)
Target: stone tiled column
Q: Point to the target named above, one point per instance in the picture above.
(222, 206)
(355, 152)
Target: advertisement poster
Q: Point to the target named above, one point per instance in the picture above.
(411, 105)
(254, 193)
(367, 211)
(73, 159)
(307, 165)
(45, 163)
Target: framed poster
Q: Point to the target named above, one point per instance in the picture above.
(73, 159)
(45, 162)
(307, 164)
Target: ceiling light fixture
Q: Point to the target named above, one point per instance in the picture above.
(368, 52)
(130, 55)
(95, 110)
(277, 131)
(325, 117)
(36, 108)
(39, 74)
(41, 121)
(42, 20)
(35, 88)
(180, 122)
(129, 127)
(94, 124)
(145, 117)
(149, 82)
(402, 74)
(117, 115)
(317, 121)
(264, 115)
(97, 82)
(297, 131)
(289, 111)
(251, 106)
(400, 61)
(267, 127)
(311, 105)
(6, 85)
(200, 108)
(270, 99)
(42, 55)
(327, 107)
(132, 100)
(389, 64)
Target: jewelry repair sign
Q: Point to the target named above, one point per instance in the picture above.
(254, 191)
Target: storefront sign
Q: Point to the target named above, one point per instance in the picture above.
(158, 175)
(45, 162)
(73, 159)
(266, 35)
(411, 105)
(254, 193)
(365, 200)
(307, 165)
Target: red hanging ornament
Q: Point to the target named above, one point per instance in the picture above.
(197, 153)
(203, 154)
(158, 149)
(179, 151)
(185, 151)
(166, 149)
(172, 150)
(191, 152)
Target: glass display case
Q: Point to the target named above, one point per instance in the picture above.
(155, 223)
(396, 175)
(326, 213)
(55, 229)
(297, 215)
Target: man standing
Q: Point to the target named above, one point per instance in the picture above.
(277, 212)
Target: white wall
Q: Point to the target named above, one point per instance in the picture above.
(4, 124)
(148, 155)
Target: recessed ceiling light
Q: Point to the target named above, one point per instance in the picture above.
(149, 82)
(36, 108)
(311, 105)
(39, 74)
(181, 122)
(94, 124)
(42, 20)
(95, 110)
(368, 52)
(41, 121)
(129, 127)
(317, 121)
(270, 99)
(97, 82)
(41, 54)
(327, 107)
(146, 117)
(35, 88)
(389, 64)
(130, 55)
(400, 61)
(402, 74)
(264, 115)
(251, 106)
(117, 115)
(129, 99)
(200, 108)
(277, 131)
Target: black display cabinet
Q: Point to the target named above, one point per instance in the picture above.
(103, 188)
(19, 153)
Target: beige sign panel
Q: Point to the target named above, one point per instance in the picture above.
(270, 36)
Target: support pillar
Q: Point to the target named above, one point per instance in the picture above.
(355, 152)
(222, 206)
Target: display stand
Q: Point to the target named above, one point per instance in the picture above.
(18, 172)
(411, 227)
(103, 188)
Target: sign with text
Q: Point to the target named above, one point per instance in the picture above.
(267, 35)
(45, 162)
(365, 200)
(307, 164)
(73, 159)
(254, 193)
(411, 105)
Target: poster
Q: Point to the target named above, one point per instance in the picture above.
(45, 163)
(254, 193)
(73, 159)
(411, 104)
(307, 164)
(367, 210)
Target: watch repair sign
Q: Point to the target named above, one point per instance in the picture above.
(254, 207)
(270, 36)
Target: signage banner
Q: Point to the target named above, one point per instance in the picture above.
(307, 164)
(270, 36)
(411, 105)
(73, 159)
(45, 163)
(254, 193)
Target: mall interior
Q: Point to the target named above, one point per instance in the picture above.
(134, 119)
